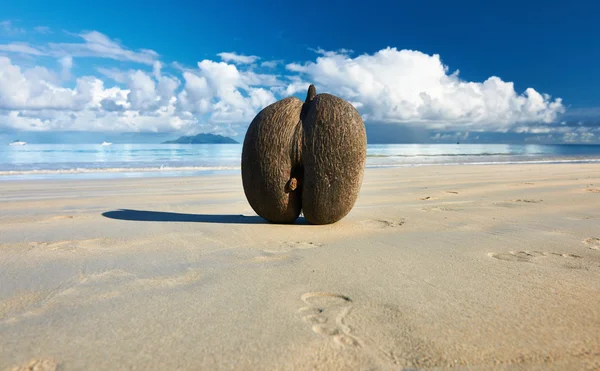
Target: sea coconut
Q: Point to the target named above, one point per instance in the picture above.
(304, 156)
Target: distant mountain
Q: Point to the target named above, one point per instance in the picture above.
(202, 139)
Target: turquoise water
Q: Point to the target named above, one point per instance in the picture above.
(35, 161)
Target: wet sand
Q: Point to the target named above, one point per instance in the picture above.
(465, 267)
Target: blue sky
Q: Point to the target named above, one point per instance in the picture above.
(431, 71)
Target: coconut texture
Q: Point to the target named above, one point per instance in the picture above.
(307, 156)
(270, 156)
(333, 156)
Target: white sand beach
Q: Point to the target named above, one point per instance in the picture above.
(463, 267)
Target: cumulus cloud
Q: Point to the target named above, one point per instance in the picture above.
(406, 86)
(390, 86)
(238, 58)
(216, 96)
(30, 88)
(32, 99)
(231, 95)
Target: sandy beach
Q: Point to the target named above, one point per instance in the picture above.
(463, 267)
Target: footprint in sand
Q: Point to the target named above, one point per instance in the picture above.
(542, 258)
(325, 312)
(384, 223)
(593, 190)
(528, 201)
(593, 243)
(36, 365)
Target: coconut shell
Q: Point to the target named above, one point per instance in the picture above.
(271, 168)
(334, 152)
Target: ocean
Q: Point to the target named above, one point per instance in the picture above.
(43, 161)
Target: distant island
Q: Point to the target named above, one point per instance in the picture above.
(202, 139)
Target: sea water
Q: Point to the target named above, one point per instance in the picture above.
(42, 161)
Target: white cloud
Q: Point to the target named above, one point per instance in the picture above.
(114, 74)
(329, 53)
(196, 95)
(22, 48)
(271, 64)
(99, 45)
(42, 30)
(30, 88)
(450, 136)
(234, 97)
(8, 28)
(405, 86)
(31, 99)
(95, 44)
(142, 91)
(238, 58)
(389, 86)
(579, 135)
(66, 64)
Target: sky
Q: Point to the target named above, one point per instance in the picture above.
(417, 71)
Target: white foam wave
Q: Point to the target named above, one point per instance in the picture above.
(557, 161)
(181, 169)
(118, 170)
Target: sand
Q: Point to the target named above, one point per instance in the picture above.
(465, 267)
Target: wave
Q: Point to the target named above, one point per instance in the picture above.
(453, 154)
(118, 170)
(556, 161)
(182, 169)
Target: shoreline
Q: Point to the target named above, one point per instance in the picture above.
(201, 171)
(468, 267)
